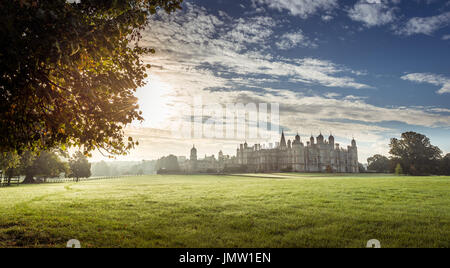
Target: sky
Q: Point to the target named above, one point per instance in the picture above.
(368, 69)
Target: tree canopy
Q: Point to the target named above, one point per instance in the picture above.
(69, 71)
(416, 154)
(445, 165)
(398, 169)
(79, 166)
(379, 163)
(47, 164)
(9, 162)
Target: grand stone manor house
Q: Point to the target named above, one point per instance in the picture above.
(317, 155)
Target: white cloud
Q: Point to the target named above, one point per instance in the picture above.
(332, 95)
(199, 52)
(196, 39)
(437, 80)
(344, 116)
(439, 110)
(256, 30)
(301, 8)
(373, 12)
(327, 18)
(426, 25)
(446, 37)
(294, 39)
(315, 109)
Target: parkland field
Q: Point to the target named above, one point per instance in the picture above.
(270, 210)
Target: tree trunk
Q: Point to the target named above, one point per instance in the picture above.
(8, 176)
(29, 179)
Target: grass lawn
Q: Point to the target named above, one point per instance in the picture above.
(273, 210)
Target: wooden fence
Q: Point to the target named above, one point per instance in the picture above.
(64, 180)
(18, 180)
(9, 182)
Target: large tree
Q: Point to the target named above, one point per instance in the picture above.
(79, 166)
(9, 163)
(445, 165)
(416, 154)
(69, 71)
(46, 164)
(379, 163)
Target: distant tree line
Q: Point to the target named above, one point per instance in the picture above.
(104, 169)
(412, 154)
(168, 164)
(38, 167)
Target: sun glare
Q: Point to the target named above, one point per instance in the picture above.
(154, 101)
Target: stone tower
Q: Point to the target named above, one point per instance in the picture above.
(331, 141)
(193, 154)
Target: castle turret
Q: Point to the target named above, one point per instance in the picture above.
(331, 140)
(354, 156)
(297, 140)
(283, 141)
(320, 139)
(317, 155)
(193, 154)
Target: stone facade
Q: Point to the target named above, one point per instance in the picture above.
(209, 164)
(316, 156)
(320, 156)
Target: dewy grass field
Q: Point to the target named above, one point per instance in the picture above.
(276, 210)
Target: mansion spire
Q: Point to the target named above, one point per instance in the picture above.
(283, 140)
(193, 154)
